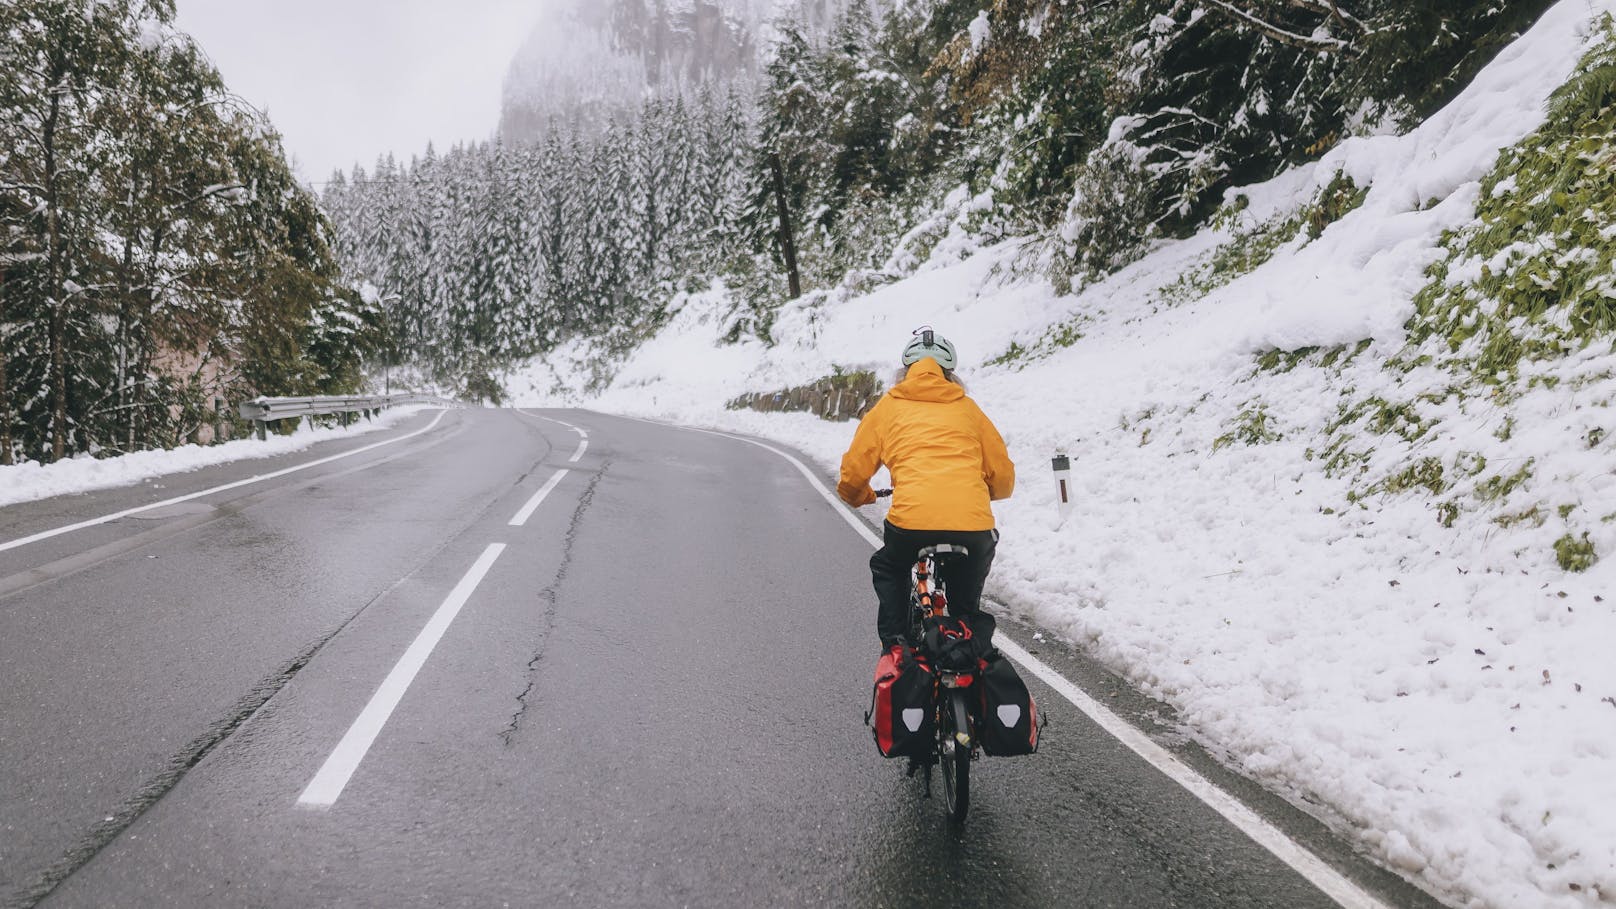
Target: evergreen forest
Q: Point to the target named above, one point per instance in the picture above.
(1091, 127)
(158, 261)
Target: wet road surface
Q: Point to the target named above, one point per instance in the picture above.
(652, 697)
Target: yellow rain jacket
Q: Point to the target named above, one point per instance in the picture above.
(946, 458)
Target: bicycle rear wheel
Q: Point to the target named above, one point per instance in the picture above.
(955, 757)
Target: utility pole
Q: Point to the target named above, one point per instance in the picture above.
(788, 244)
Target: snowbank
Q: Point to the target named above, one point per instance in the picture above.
(1444, 693)
(31, 480)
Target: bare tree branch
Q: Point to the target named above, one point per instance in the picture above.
(1332, 9)
(1283, 36)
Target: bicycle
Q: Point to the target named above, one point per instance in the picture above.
(954, 671)
(956, 731)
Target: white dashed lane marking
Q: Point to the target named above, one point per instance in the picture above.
(538, 498)
(333, 776)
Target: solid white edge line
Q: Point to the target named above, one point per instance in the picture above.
(333, 776)
(583, 434)
(847, 514)
(105, 519)
(1334, 884)
(1319, 873)
(538, 497)
(540, 416)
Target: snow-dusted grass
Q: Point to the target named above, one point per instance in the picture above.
(1429, 678)
(32, 480)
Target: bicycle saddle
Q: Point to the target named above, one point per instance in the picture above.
(944, 552)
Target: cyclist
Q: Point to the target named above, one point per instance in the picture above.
(947, 463)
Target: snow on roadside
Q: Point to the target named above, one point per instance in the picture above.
(32, 480)
(1445, 694)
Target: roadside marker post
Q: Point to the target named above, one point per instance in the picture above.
(1063, 485)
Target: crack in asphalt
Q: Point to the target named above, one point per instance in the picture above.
(153, 790)
(550, 595)
(112, 826)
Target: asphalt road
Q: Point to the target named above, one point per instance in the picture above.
(652, 696)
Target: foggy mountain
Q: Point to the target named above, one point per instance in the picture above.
(590, 59)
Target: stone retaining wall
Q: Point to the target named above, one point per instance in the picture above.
(838, 398)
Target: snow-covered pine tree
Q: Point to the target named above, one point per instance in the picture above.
(146, 213)
(619, 243)
(732, 149)
(685, 203)
(439, 299)
(411, 317)
(60, 64)
(554, 235)
(1227, 92)
(704, 167)
(515, 206)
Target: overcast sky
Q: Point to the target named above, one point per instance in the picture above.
(345, 80)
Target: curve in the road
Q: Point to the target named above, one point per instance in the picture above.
(1310, 866)
(665, 651)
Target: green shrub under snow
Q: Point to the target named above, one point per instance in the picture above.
(1524, 298)
(1531, 278)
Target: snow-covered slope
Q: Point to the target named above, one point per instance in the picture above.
(1424, 674)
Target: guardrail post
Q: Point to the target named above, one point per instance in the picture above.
(259, 411)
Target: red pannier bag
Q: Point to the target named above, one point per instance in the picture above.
(901, 710)
(1009, 721)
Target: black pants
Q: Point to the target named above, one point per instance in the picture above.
(890, 566)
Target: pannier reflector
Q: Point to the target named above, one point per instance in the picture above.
(912, 718)
(1009, 715)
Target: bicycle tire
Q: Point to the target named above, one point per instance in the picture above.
(955, 761)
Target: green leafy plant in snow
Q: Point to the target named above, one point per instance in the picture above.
(1575, 553)
(1532, 278)
(1252, 427)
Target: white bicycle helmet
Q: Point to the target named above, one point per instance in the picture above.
(928, 343)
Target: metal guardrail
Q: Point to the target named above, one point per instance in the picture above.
(263, 411)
